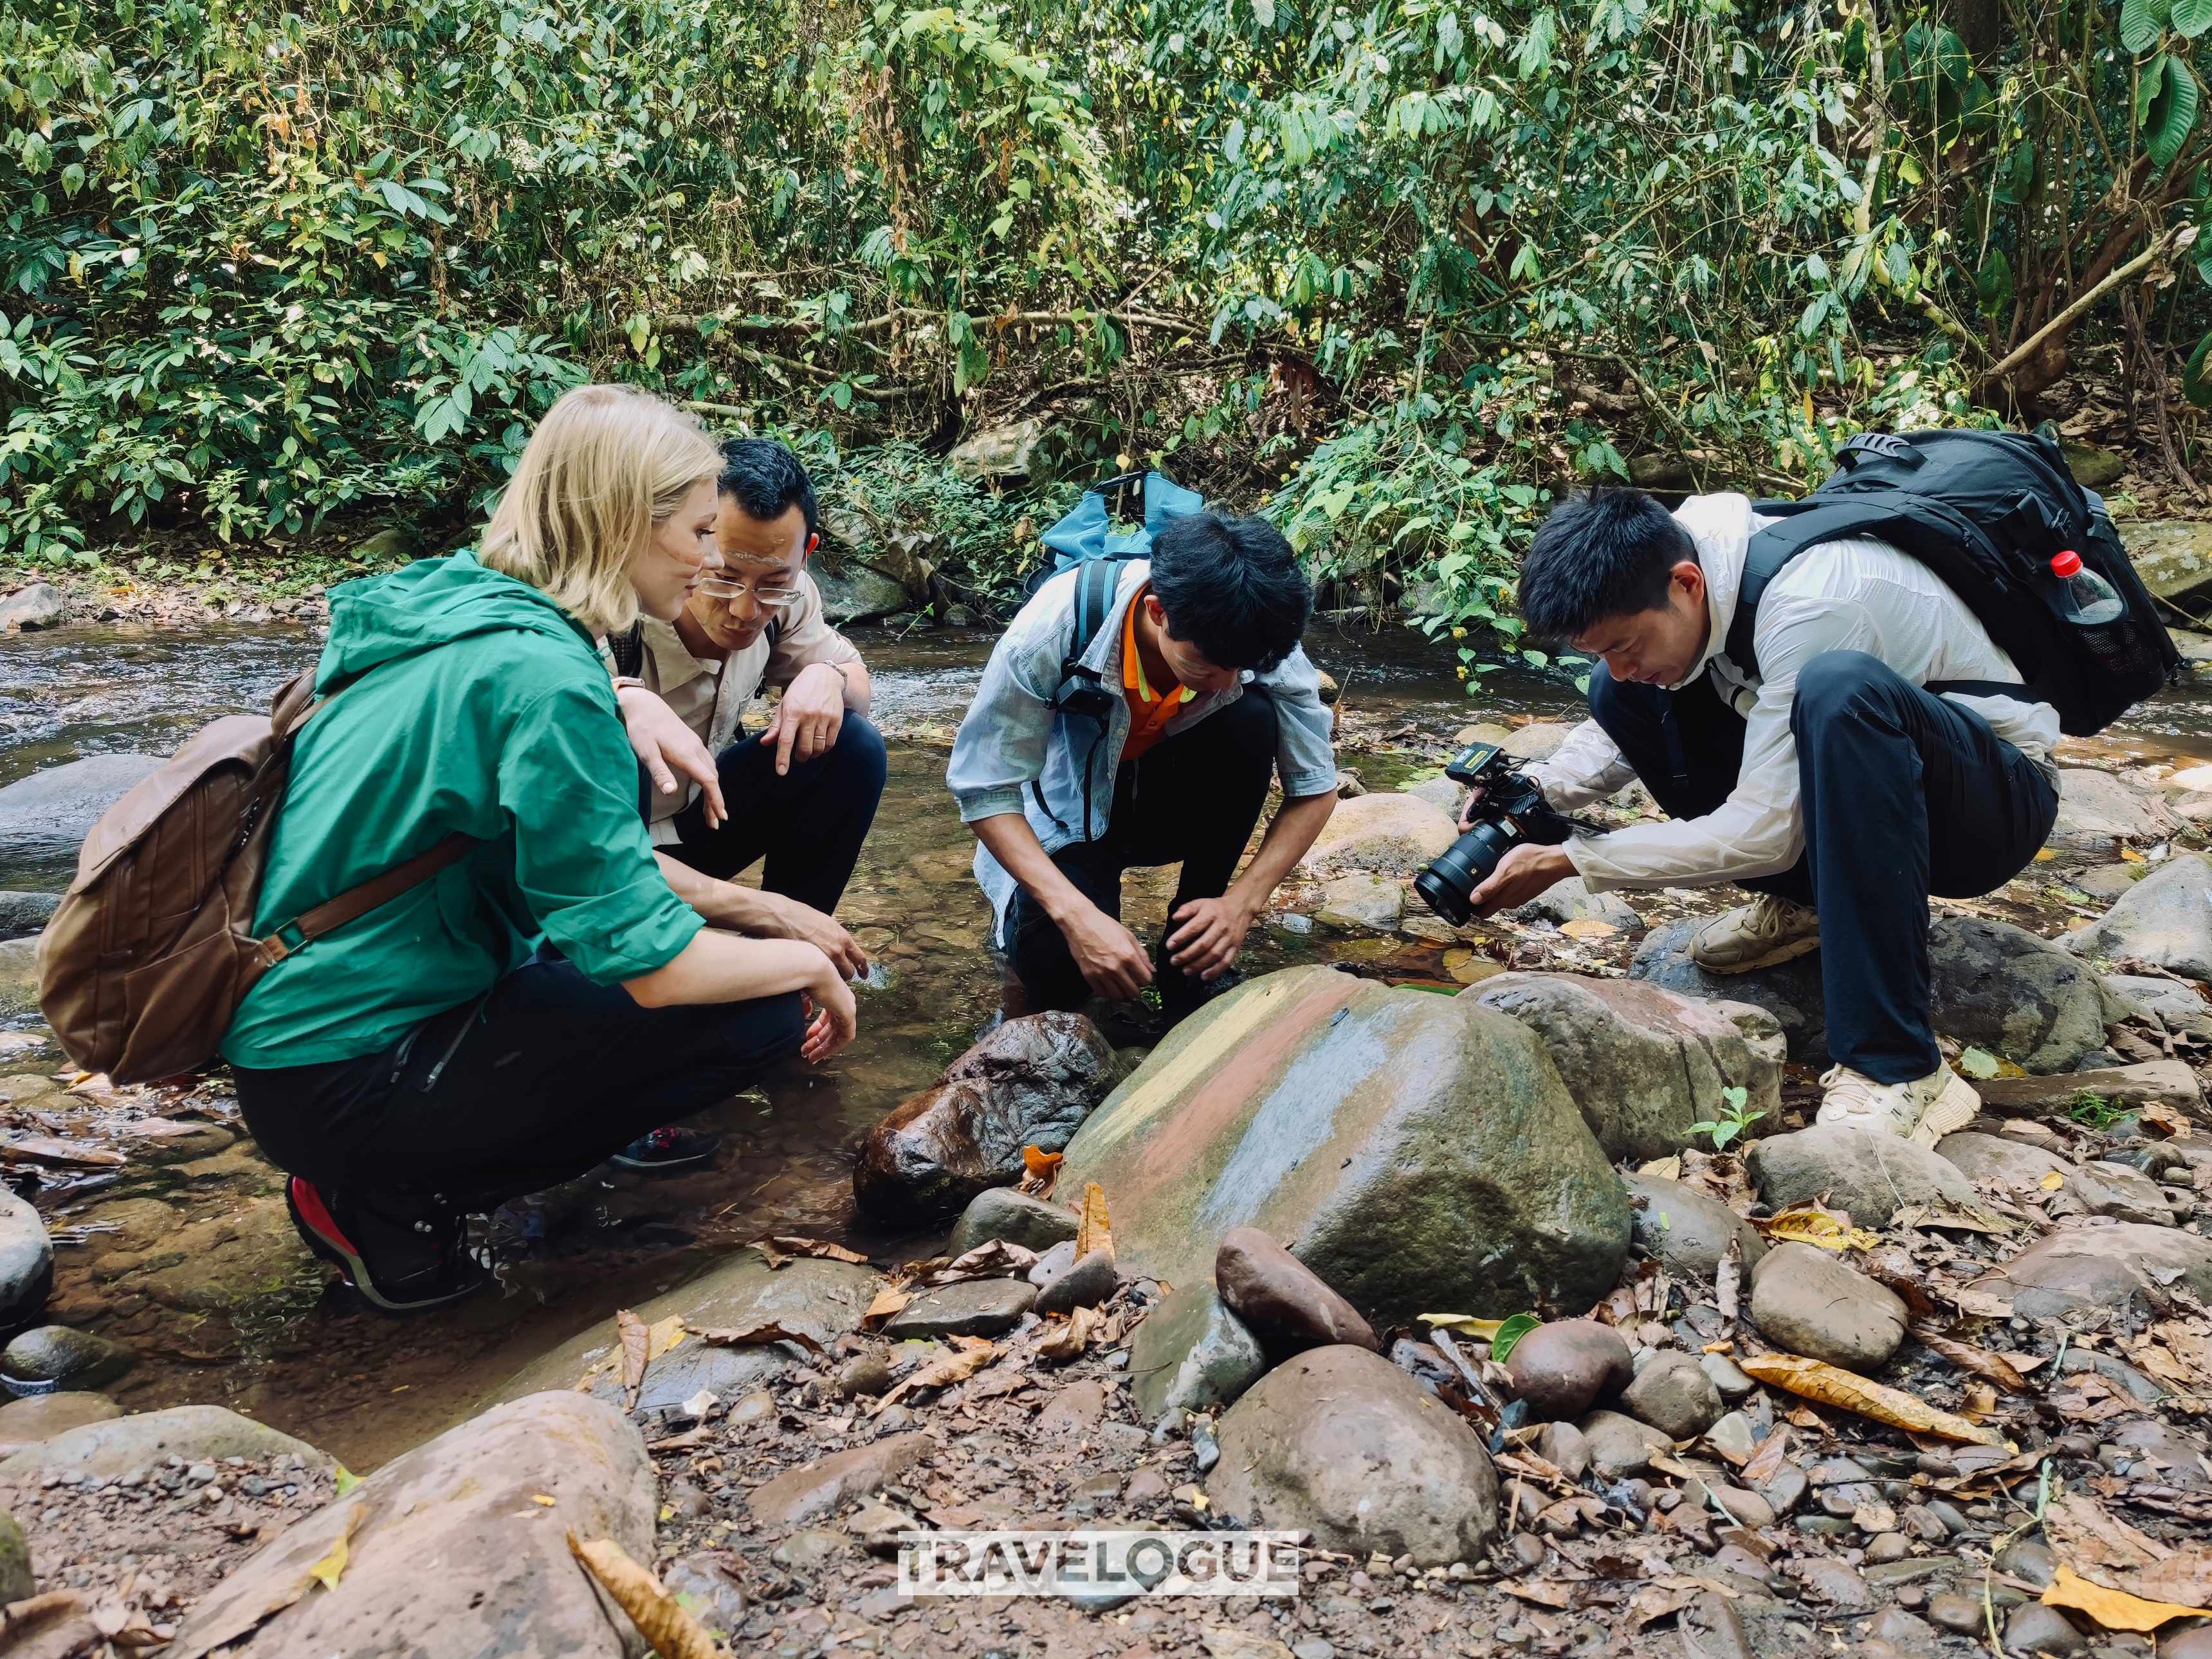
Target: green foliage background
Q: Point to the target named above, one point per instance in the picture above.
(1402, 270)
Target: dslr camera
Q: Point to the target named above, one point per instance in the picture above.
(1510, 810)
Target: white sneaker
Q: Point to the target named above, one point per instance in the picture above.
(1923, 1111)
(1760, 934)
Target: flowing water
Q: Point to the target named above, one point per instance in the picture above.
(365, 1388)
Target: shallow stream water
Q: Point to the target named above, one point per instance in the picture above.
(267, 1339)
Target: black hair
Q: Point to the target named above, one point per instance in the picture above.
(1233, 587)
(764, 479)
(1604, 554)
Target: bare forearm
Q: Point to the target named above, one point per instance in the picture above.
(1289, 836)
(1022, 855)
(721, 903)
(860, 690)
(723, 967)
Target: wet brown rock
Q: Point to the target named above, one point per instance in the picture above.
(828, 1484)
(1805, 1301)
(1672, 1394)
(2090, 1267)
(2035, 1628)
(1282, 1301)
(1620, 1446)
(1341, 1441)
(1563, 1368)
(24, 1422)
(973, 1307)
(1072, 1412)
(1031, 1082)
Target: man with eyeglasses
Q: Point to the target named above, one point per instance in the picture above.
(803, 793)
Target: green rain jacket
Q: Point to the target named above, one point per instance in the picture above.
(481, 708)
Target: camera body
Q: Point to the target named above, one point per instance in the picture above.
(1511, 810)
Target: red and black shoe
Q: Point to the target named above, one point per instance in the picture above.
(667, 1150)
(399, 1265)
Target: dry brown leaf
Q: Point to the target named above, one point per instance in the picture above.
(1992, 1367)
(1065, 1342)
(779, 1249)
(1587, 927)
(60, 1154)
(1831, 1385)
(635, 1339)
(668, 1630)
(2113, 1609)
(2157, 1114)
(2097, 1541)
(1649, 1603)
(888, 1301)
(1040, 1172)
(995, 1258)
(1766, 1463)
(1091, 1231)
(754, 1335)
(967, 1356)
(1813, 1222)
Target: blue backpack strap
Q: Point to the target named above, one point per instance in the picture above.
(1080, 693)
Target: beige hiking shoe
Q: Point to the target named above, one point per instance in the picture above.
(1760, 934)
(1923, 1111)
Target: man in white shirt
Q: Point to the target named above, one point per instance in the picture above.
(1830, 783)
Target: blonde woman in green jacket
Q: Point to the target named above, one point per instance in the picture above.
(532, 1008)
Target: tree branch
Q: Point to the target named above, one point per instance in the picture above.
(2172, 241)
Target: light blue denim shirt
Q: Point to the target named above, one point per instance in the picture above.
(1009, 740)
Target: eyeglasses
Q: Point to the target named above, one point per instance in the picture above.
(768, 598)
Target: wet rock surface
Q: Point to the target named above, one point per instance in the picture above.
(1412, 1148)
(2165, 919)
(1030, 1082)
(23, 915)
(1281, 1301)
(1643, 1063)
(1805, 1301)
(1689, 1230)
(55, 807)
(1565, 1366)
(1871, 1175)
(49, 1357)
(26, 1260)
(1192, 1354)
(1035, 1224)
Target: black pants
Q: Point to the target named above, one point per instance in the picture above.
(1191, 798)
(808, 823)
(531, 1085)
(1905, 795)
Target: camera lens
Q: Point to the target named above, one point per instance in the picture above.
(1446, 886)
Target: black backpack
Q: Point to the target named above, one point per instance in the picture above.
(1985, 511)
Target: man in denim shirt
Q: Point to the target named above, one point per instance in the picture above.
(1206, 695)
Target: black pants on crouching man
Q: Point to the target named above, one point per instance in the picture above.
(1191, 798)
(1904, 795)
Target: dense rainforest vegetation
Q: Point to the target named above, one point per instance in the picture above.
(1397, 270)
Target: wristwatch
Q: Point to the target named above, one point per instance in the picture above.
(624, 682)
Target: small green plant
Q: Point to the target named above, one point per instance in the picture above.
(2094, 1111)
(1733, 1121)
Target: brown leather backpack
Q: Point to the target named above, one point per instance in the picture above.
(152, 949)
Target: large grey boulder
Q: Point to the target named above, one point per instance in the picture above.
(19, 976)
(1571, 900)
(823, 1298)
(1343, 1443)
(2099, 813)
(1035, 1224)
(1688, 1231)
(2085, 1269)
(1872, 1174)
(26, 1260)
(2171, 1003)
(852, 593)
(1416, 1151)
(2164, 920)
(1990, 983)
(1395, 834)
(449, 1549)
(1643, 1063)
(37, 604)
(118, 1445)
(1028, 1083)
(2020, 1169)
(1803, 1300)
(58, 807)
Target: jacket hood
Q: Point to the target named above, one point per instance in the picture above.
(432, 602)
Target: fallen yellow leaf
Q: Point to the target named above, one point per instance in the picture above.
(1813, 1222)
(1831, 1385)
(540, 1497)
(667, 1628)
(2113, 1609)
(887, 1301)
(1587, 927)
(1092, 1232)
(2051, 1182)
(1463, 1324)
(328, 1569)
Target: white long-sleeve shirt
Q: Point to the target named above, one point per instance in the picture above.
(1838, 596)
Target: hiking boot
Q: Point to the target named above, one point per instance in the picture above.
(666, 1151)
(1760, 934)
(1923, 1111)
(398, 1264)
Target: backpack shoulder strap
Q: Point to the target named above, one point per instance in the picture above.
(357, 902)
(1094, 599)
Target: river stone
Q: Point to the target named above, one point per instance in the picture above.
(1441, 793)
(1806, 1302)
(1361, 901)
(854, 593)
(19, 976)
(23, 915)
(42, 1416)
(706, 1591)
(826, 1485)
(1621, 1448)
(971, 1307)
(1282, 1301)
(36, 605)
(1672, 1394)
(2126, 1194)
(1687, 1230)
(1085, 1283)
(448, 1549)
(2085, 1268)
(1417, 1150)
(26, 1260)
(1562, 1446)
(62, 1358)
(1191, 1351)
(1572, 901)
(1565, 1367)
(2020, 1168)
(2164, 920)
(1989, 983)
(1342, 1443)
(1003, 1212)
(115, 1446)
(2032, 1627)
(1030, 1082)
(823, 1298)
(1643, 1064)
(2173, 1005)
(1728, 1377)
(2099, 811)
(1393, 835)
(57, 807)
(998, 451)
(1871, 1174)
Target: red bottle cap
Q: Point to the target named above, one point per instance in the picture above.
(2066, 565)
